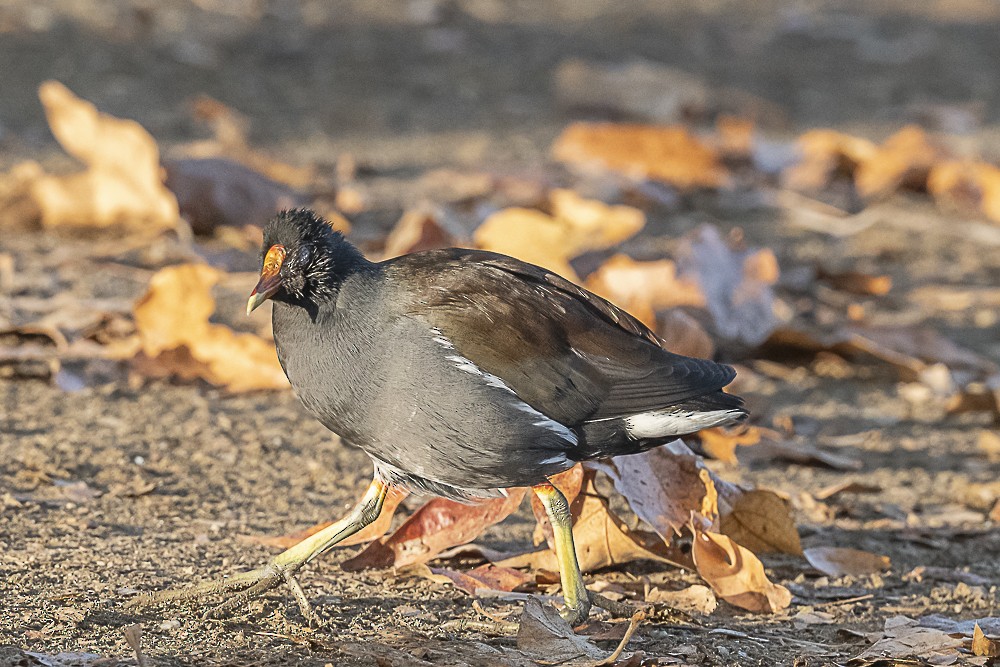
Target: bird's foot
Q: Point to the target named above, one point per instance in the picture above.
(617, 609)
(245, 587)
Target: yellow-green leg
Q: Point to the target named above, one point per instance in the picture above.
(574, 593)
(281, 568)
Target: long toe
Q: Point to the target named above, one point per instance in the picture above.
(238, 589)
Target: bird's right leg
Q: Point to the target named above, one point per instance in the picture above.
(574, 593)
(281, 568)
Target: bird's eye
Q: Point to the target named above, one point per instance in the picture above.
(305, 254)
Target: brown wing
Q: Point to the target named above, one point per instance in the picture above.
(565, 351)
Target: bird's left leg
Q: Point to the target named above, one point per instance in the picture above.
(282, 568)
(575, 595)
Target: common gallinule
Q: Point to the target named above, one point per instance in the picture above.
(462, 373)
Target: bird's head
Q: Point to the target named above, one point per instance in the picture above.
(303, 260)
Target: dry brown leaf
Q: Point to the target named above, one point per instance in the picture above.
(487, 576)
(664, 486)
(682, 334)
(839, 561)
(545, 636)
(669, 154)
(569, 482)
(172, 320)
(737, 284)
(593, 224)
(982, 645)
(967, 185)
(760, 520)
(696, 599)
(825, 155)
(575, 226)
(903, 638)
(735, 574)
(720, 443)
(417, 230)
(372, 531)
(214, 192)
(642, 288)
(602, 538)
(856, 282)
(122, 184)
(438, 525)
(904, 160)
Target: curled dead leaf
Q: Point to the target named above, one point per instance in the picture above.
(664, 486)
(438, 525)
(213, 192)
(735, 574)
(669, 154)
(721, 444)
(122, 183)
(760, 520)
(856, 282)
(840, 561)
(172, 320)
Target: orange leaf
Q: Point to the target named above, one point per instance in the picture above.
(975, 184)
(122, 183)
(721, 443)
(825, 154)
(664, 153)
(735, 574)
(417, 230)
(643, 287)
(575, 226)
(177, 338)
(903, 161)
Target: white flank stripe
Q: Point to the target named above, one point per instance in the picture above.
(679, 422)
(469, 366)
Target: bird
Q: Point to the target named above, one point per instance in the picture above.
(462, 373)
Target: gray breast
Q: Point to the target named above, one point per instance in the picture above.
(429, 418)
